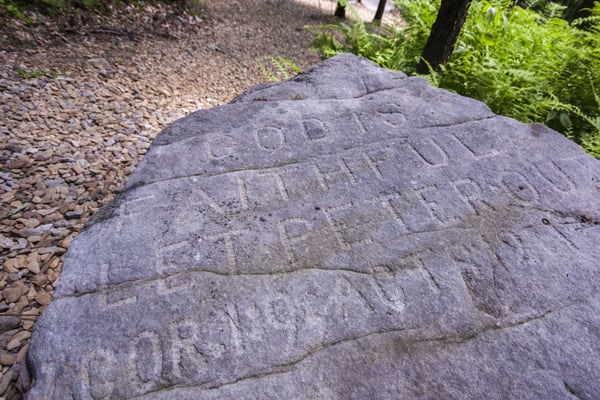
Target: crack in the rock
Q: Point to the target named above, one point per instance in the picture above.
(281, 164)
(490, 328)
(458, 123)
(578, 218)
(277, 369)
(290, 366)
(572, 390)
(273, 165)
(113, 287)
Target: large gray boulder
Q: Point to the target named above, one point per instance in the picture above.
(349, 234)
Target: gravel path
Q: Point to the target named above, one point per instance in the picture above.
(79, 109)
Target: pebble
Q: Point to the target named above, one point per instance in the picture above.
(15, 342)
(7, 359)
(73, 214)
(8, 322)
(7, 336)
(34, 267)
(12, 293)
(43, 298)
(6, 380)
(5, 242)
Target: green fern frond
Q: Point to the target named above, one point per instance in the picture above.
(277, 68)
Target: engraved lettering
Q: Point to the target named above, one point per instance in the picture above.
(334, 173)
(361, 126)
(393, 115)
(313, 327)
(269, 138)
(167, 255)
(227, 239)
(237, 335)
(476, 153)
(511, 251)
(412, 215)
(314, 129)
(293, 231)
(563, 236)
(101, 373)
(477, 147)
(519, 187)
(145, 360)
(430, 152)
(173, 284)
(185, 358)
(356, 288)
(215, 348)
(221, 146)
(280, 316)
(279, 184)
(375, 158)
(131, 208)
(346, 235)
(320, 177)
(114, 298)
(553, 174)
(427, 199)
(303, 181)
(192, 208)
(201, 194)
(485, 275)
(389, 290)
(471, 193)
(389, 203)
(243, 193)
(420, 261)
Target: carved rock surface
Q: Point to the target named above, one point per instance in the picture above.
(349, 234)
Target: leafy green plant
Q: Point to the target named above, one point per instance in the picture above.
(277, 68)
(11, 8)
(529, 66)
(358, 38)
(532, 66)
(51, 73)
(29, 74)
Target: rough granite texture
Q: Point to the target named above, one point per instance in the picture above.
(349, 234)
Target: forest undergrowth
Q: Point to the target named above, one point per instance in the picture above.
(527, 62)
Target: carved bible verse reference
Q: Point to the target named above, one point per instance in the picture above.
(349, 234)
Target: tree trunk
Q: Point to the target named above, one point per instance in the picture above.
(340, 10)
(444, 33)
(379, 12)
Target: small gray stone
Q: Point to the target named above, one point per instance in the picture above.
(349, 234)
(5, 381)
(73, 214)
(9, 322)
(53, 183)
(6, 243)
(7, 359)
